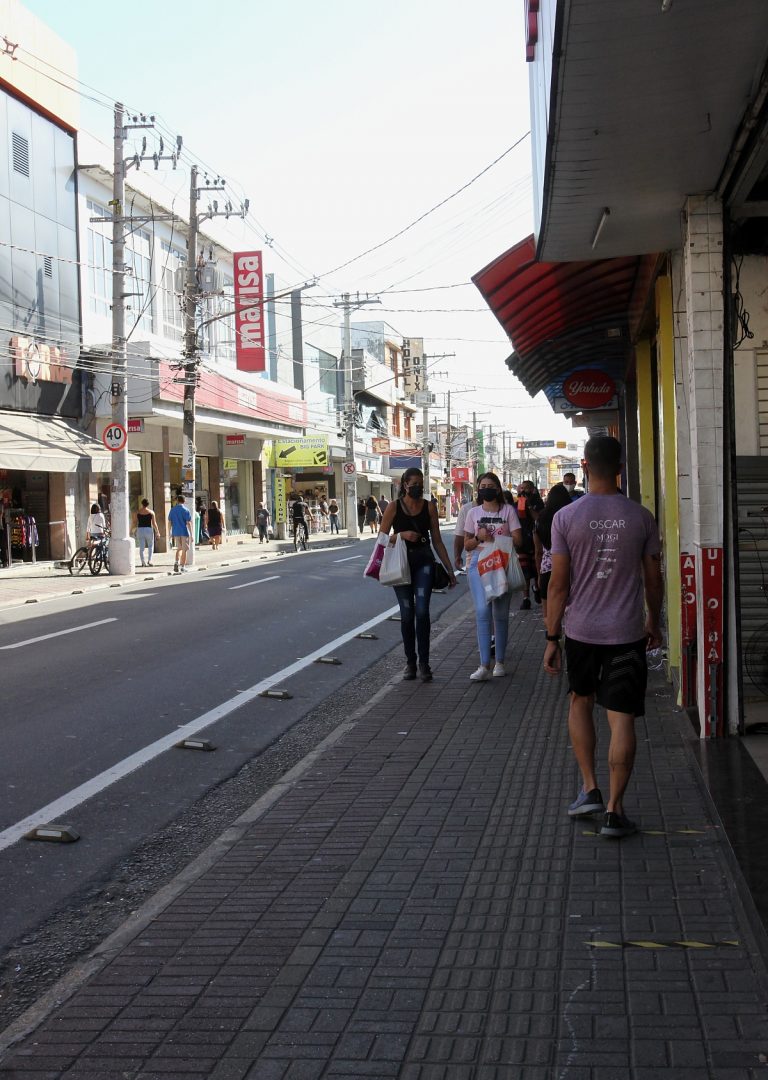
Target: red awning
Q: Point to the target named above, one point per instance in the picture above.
(561, 316)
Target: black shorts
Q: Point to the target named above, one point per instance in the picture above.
(544, 583)
(616, 674)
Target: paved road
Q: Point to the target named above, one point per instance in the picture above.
(101, 686)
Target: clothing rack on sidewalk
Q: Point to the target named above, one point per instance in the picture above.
(19, 531)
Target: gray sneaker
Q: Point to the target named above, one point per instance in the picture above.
(616, 826)
(587, 802)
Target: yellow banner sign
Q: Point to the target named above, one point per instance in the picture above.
(281, 499)
(307, 452)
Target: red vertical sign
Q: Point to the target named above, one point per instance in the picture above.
(249, 311)
(688, 627)
(711, 648)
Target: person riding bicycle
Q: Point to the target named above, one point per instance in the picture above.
(300, 516)
(96, 529)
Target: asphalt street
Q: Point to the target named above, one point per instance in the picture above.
(101, 687)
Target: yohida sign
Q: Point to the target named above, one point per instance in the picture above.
(249, 311)
(589, 389)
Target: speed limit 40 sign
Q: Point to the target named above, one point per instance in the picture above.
(115, 437)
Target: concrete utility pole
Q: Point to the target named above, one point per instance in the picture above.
(448, 447)
(191, 345)
(121, 545)
(425, 416)
(350, 480)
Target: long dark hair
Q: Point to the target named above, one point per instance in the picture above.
(558, 498)
(497, 482)
(406, 477)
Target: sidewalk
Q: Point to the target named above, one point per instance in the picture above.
(412, 901)
(25, 583)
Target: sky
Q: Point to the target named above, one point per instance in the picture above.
(343, 123)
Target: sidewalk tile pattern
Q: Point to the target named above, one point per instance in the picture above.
(418, 905)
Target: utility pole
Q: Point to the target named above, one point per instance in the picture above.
(448, 447)
(191, 358)
(425, 416)
(122, 547)
(474, 447)
(350, 479)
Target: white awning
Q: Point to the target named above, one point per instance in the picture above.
(376, 477)
(52, 444)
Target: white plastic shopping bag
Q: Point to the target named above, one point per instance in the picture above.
(492, 568)
(394, 567)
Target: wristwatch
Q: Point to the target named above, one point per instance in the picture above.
(553, 637)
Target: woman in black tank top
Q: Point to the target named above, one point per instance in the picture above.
(415, 519)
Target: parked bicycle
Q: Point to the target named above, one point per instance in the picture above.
(93, 556)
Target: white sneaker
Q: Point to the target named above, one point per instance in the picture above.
(499, 670)
(480, 675)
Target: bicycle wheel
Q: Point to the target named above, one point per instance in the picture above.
(295, 537)
(303, 539)
(96, 560)
(79, 561)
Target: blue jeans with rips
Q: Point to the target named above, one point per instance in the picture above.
(414, 613)
(490, 616)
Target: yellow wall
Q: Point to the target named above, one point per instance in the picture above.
(669, 507)
(645, 392)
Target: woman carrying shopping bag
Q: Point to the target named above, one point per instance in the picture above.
(492, 517)
(414, 520)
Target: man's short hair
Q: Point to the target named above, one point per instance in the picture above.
(571, 474)
(602, 454)
(179, 498)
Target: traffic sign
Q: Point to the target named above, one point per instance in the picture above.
(115, 437)
(349, 468)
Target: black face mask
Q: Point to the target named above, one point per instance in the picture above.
(416, 491)
(489, 494)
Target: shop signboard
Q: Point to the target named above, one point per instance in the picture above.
(710, 651)
(380, 445)
(249, 311)
(303, 452)
(234, 440)
(401, 462)
(460, 474)
(135, 425)
(413, 365)
(589, 389)
(281, 499)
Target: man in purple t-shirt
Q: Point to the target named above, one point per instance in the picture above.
(605, 560)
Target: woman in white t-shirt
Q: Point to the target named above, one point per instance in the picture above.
(97, 524)
(492, 517)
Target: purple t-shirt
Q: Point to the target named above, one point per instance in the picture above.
(606, 537)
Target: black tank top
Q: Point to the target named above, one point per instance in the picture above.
(144, 521)
(419, 523)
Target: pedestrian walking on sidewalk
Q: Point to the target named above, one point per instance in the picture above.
(262, 522)
(558, 497)
(146, 532)
(215, 524)
(415, 519)
(529, 505)
(333, 514)
(605, 559)
(180, 520)
(491, 517)
(372, 514)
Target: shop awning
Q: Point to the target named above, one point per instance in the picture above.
(376, 477)
(562, 316)
(52, 444)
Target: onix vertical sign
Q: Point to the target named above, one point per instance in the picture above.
(249, 311)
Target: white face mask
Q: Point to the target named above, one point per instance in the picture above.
(569, 487)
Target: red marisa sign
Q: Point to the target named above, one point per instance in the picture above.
(589, 389)
(249, 311)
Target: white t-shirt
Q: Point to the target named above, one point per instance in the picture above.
(502, 522)
(97, 525)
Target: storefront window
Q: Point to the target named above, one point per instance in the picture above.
(236, 477)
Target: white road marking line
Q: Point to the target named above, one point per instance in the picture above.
(349, 558)
(63, 805)
(258, 581)
(59, 633)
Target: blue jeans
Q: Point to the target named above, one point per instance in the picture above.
(487, 613)
(414, 613)
(334, 522)
(146, 538)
